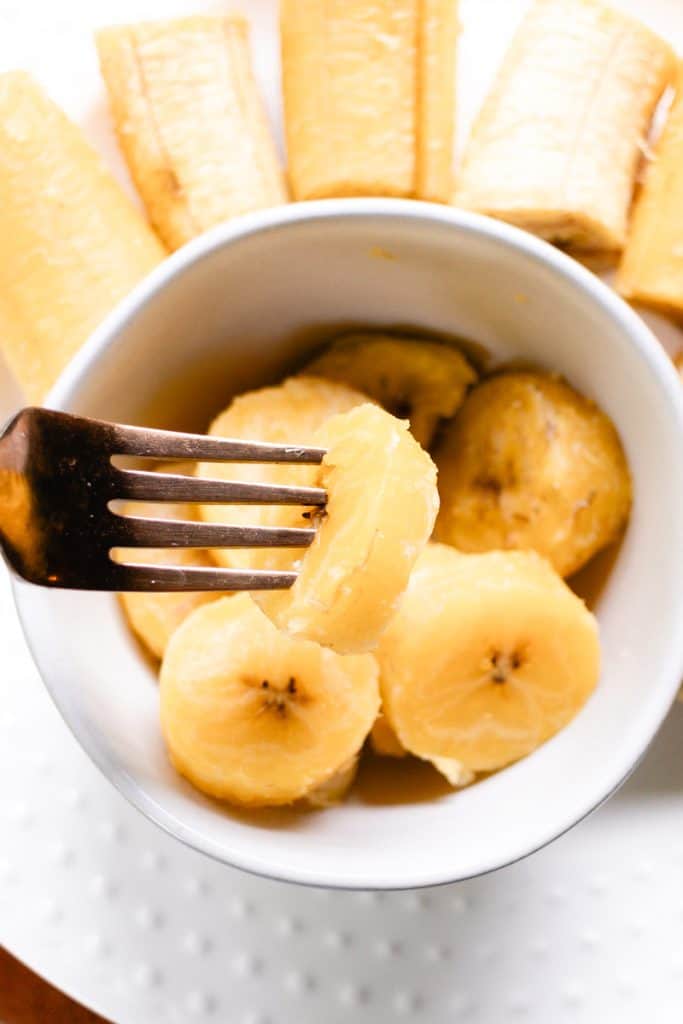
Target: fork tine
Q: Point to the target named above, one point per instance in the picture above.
(138, 485)
(134, 531)
(178, 578)
(166, 444)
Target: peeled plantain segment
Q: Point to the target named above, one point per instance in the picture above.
(651, 270)
(72, 243)
(190, 121)
(369, 96)
(154, 617)
(437, 43)
(557, 144)
(487, 657)
(412, 378)
(289, 413)
(252, 716)
(385, 743)
(333, 791)
(529, 463)
(381, 505)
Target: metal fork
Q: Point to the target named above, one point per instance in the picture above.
(57, 482)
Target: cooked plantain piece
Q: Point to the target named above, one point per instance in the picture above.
(72, 244)
(651, 270)
(437, 44)
(529, 463)
(369, 96)
(556, 146)
(190, 121)
(413, 378)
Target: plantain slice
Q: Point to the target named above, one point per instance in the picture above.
(487, 657)
(651, 270)
(190, 121)
(71, 243)
(413, 378)
(369, 96)
(530, 463)
(557, 144)
(254, 717)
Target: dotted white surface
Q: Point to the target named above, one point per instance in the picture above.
(142, 929)
(109, 908)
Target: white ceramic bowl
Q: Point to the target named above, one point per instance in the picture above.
(240, 307)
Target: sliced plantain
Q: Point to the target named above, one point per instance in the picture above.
(289, 413)
(437, 50)
(487, 657)
(190, 121)
(529, 463)
(369, 96)
(332, 792)
(651, 269)
(558, 141)
(72, 244)
(385, 742)
(381, 505)
(383, 739)
(254, 717)
(453, 771)
(153, 616)
(414, 379)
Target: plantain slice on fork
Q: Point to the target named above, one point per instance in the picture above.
(369, 96)
(190, 121)
(557, 144)
(71, 242)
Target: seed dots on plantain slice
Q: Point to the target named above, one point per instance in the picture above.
(257, 718)
(487, 657)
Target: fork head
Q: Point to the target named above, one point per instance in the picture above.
(58, 482)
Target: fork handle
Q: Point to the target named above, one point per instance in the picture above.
(15, 494)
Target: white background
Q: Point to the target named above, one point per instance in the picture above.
(107, 907)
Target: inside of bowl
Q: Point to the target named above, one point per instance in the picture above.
(245, 312)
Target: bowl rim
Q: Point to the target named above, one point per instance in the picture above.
(635, 332)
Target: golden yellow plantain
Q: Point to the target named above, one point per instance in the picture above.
(190, 121)
(651, 269)
(557, 144)
(71, 243)
(369, 96)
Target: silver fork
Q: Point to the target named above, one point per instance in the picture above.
(57, 482)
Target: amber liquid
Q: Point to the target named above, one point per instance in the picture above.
(380, 782)
(175, 406)
(397, 780)
(590, 581)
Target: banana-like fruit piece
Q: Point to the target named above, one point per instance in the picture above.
(438, 28)
(487, 657)
(385, 742)
(71, 243)
(529, 463)
(381, 506)
(190, 121)
(678, 363)
(383, 739)
(557, 144)
(289, 413)
(651, 269)
(412, 378)
(453, 771)
(154, 617)
(369, 96)
(254, 717)
(332, 792)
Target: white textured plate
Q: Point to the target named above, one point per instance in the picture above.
(107, 907)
